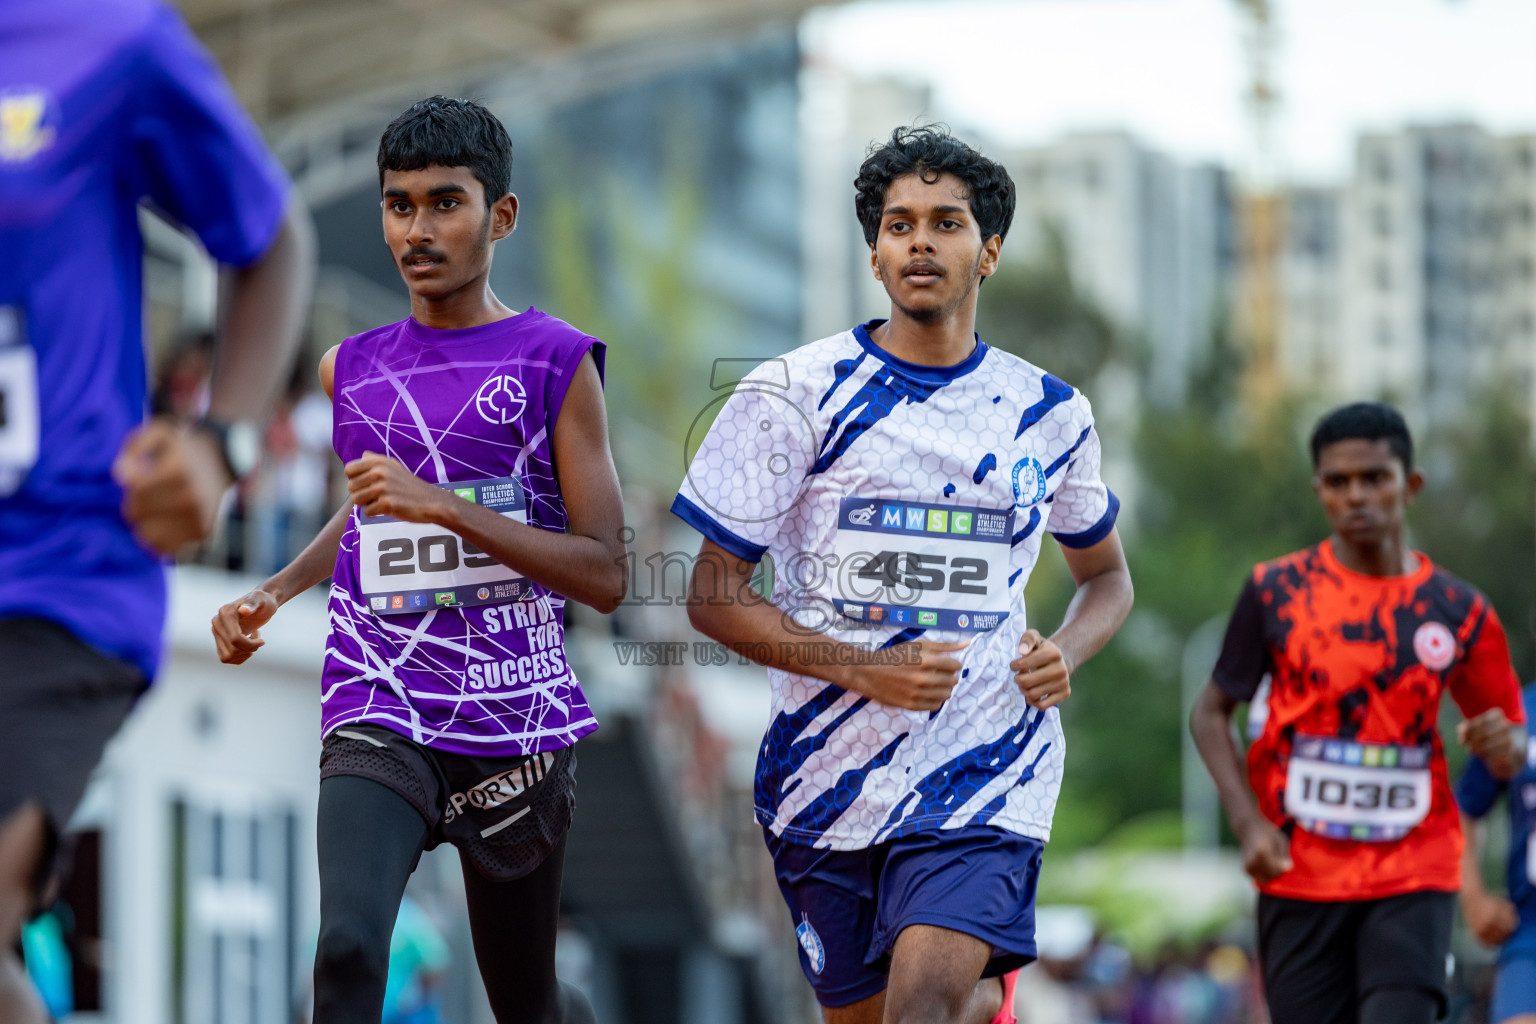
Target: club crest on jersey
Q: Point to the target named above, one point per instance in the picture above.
(1434, 645)
(861, 516)
(1028, 481)
(24, 128)
(811, 943)
(501, 400)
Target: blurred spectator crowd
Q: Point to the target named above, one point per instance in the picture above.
(278, 509)
(1084, 978)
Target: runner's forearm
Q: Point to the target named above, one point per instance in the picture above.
(314, 563)
(1097, 610)
(264, 309)
(1211, 725)
(766, 634)
(578, 567)
(723, 605)
(1472, 885)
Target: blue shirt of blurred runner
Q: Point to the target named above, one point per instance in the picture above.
(1476, 792)
(94, 120)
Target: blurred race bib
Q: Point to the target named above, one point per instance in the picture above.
(20, 420)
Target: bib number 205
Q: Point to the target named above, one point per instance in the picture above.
(441, 552)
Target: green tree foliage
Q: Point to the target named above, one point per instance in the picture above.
(1477, 515)
(1219, 488)
(1035, 310)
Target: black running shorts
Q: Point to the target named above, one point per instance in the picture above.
(61, 700)
(505, 814)
(1321, 959)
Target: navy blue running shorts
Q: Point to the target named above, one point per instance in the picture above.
(849, 906)
(61, 700)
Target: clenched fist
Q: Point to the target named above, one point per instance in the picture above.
(173, 481)
(920, 683)
(382, 486)
(236, 626)
(1041, 672)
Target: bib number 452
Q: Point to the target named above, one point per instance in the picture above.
(926, 572)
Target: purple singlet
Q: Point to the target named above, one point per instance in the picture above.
(430, 637)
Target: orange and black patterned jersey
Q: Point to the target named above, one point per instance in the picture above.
(1349, 761)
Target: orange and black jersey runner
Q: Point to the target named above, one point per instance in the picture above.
(1357, 666)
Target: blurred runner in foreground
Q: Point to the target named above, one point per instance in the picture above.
(104, 105)
(482, 497)
(1354, 840)
(902, 476)
(1506, 924)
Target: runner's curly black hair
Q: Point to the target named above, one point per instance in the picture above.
(452, 133)
(929, 151)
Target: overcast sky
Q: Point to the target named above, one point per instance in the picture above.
(1173, 72)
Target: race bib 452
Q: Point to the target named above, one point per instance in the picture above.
(922, 564)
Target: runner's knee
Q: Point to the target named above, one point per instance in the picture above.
(934, 999)
(351, 953)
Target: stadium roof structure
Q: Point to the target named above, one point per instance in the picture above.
(322, 76)
(289, 57)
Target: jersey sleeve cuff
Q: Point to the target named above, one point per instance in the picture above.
(700, 520)
(1095, 533)
(1240, 690)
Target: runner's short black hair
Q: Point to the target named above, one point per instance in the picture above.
(451, 133)
(929, 151)
(1366, 421)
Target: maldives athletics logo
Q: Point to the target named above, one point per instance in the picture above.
(815, 952)
(1435, 645)
(501, 400)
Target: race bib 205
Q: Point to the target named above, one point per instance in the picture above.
(413, 567)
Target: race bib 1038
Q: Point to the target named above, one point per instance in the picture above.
(919, 564)
(20, 417)
(413, 567)
(1369, 792)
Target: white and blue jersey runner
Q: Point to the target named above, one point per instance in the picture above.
(897, 502)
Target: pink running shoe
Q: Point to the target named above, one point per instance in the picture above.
(1005, 1012)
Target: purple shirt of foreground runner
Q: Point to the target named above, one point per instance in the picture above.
(102, 105)
(479, 669)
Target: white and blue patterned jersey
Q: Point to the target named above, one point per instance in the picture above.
(899, 501)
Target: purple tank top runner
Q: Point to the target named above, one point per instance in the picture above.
(429, 637)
